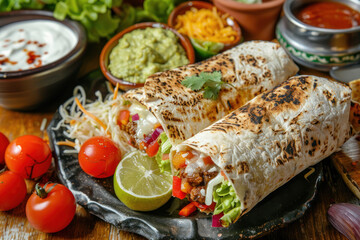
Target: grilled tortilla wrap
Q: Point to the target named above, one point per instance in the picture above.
(272, 138)
(252, 68)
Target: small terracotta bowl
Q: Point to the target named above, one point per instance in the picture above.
(105, 53)
(256, 20)
(186, 6)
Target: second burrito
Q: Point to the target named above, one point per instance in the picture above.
(232, 165)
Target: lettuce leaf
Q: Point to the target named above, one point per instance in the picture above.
(227, 203)
(96, 15)
(164, 148)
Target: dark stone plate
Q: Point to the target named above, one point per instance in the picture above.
(283, 206)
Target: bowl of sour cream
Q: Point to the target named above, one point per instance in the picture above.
(38, 56)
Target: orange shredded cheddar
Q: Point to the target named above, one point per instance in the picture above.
(91, 115)
(66, 143)
(311, 171)
(116, 91)
(206, 24)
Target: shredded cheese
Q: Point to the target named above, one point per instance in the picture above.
(91, 115)
(210, 188)
(311, 171)
(78, 127)
(206, 24)
(66, 143)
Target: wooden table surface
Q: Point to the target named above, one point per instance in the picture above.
(14, 225)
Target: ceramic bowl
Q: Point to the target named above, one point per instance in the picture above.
(257, 21)
(314, 47)
(105, 53)
(186, 6)
(30, 88)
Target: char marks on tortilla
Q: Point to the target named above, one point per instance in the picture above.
(276, 135)
(252, 68)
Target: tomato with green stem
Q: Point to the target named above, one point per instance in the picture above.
(4, 142)
(50, 208)
(28, 155)
(99, 157)
(12, 190)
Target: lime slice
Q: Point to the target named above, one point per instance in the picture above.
(205, 49)
(139, 183)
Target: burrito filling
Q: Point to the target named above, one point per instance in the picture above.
(206, 186)
(145, 132)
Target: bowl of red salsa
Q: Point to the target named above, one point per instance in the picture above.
(321, 34)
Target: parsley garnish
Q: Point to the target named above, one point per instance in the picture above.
(209, 82)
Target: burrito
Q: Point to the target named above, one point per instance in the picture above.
(164, 106)
(230, 166)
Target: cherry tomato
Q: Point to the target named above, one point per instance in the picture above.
(50, 208)
(4, 142)
(12, 190)
(99, 157)
(28, 155)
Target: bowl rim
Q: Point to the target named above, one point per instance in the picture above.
(294, 20)
(251, 7)
(74, 26)
(105, 52)
(200, 4)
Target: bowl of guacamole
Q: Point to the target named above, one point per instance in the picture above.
(142, 50)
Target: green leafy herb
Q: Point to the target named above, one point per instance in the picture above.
(164, 148)
(209, 82)
(156, 10)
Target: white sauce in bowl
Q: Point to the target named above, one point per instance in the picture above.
(34, 43)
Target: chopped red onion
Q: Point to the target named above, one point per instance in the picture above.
(155, 135)
(135, 117)
(216, 220)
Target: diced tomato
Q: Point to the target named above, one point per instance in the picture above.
(176, 191)
(153, 148)
(185, 186)
(204, 207)
(165, 156)
(179, 159)
(142, 145)
(208, 161)
(123, 118)
(188, 209)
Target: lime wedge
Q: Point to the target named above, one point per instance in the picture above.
(139, 183)
(205, 49)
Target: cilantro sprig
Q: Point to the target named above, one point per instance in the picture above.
(209, 82)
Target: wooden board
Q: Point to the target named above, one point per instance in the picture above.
(347, 163)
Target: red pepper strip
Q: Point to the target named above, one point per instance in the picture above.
(176, 192)
(188, 209)
(204, 207)
(152, 149)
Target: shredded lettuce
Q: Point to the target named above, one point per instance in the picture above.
(164, 148)
(227, 203)
(96, 15)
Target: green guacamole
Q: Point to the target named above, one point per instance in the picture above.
(143, 52)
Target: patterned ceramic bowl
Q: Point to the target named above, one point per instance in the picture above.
(314, 47)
